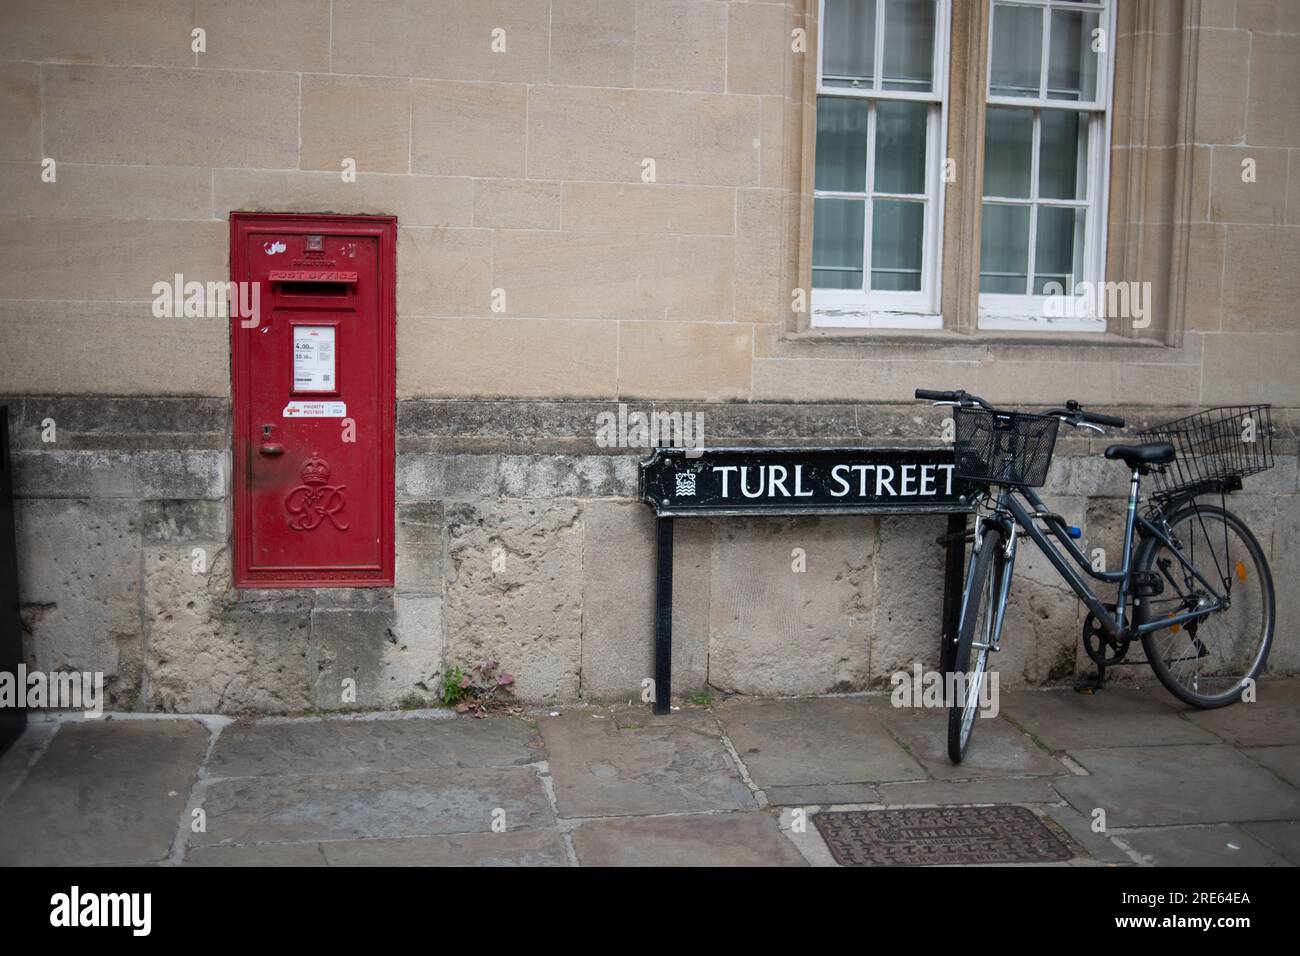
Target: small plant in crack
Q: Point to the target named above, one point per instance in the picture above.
(483, 689)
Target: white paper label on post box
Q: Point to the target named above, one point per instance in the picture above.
(313, 358)
(316, 410)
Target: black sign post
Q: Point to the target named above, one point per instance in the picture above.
(722, 482)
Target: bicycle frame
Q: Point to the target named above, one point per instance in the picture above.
(1013, 516)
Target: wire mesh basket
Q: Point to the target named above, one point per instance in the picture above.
(1005, 448)
(1214, 449)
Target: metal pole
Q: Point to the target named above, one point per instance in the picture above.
(664, 615)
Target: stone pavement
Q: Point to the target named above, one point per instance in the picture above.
(617, 786)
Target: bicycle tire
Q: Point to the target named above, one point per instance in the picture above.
(1151, 547)
(986, 561)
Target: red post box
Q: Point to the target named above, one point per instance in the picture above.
(313, 368)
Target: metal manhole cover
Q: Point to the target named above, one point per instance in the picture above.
(938, 836)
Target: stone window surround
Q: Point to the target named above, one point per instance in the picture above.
(1133, 248)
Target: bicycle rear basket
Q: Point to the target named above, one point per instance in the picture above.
(1214, 449)
(1006, 448)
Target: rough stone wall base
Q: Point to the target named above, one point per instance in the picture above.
(520, 540)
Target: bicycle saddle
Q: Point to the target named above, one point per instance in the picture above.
(1155, 453)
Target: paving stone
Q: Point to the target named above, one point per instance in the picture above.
(262, 854)
(111, 791)
(814, 741)
(512, 848)
(828, 794)
(1116, 717)
(356, 746)
(1274, 717)
(986, 790)
(670, 764)
(996, 748)
(1283, 837)
(1099, 846)
(1188, 783)
(723, 839)
(1283, 761)
(1221, 845)
(15, 761)
(296, 809)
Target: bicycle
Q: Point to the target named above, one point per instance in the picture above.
(1204, 612)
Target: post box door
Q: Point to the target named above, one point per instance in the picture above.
(314, 400)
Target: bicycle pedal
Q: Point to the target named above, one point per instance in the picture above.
(1088, 685)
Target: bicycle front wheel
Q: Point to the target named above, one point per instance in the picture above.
(979, 610)
(1206, 663)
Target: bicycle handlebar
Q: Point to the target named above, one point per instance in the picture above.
(930, 395)
(1072, 414)
(1111, 421)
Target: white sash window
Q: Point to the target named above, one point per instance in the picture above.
(1046, 142)
(878, 187)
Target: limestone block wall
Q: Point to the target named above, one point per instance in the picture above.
(534, 259)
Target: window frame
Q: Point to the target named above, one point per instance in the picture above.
(1029, 311)
(886, 309)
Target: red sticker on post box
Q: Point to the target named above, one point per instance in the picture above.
(316, 410)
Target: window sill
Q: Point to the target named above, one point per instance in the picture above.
(975, 339)
(857, 320)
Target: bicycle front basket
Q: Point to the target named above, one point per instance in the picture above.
(1214, 449)
(1005, 448)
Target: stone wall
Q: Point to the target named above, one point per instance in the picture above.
(522, 171)
(521, 540)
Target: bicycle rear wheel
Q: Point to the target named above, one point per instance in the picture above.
(1205, 663)
(979, 610)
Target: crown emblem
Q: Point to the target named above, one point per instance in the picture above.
(315, 471)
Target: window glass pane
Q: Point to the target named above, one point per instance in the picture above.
(1058, 249)
(900, 147)
(1008, 152)
(1004, 249)
(1017, 51)
(909, 45)
(837, 243)
(849, 43)
(1072, 65)
(841, 144)
(896, 231)
(1062, 155)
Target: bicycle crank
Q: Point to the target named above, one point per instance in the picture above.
(1104, 649)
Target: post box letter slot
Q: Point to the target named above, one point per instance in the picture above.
(302, 275)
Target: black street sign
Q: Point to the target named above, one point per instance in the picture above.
(681, 482)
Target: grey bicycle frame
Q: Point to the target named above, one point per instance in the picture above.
(1007, 504)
